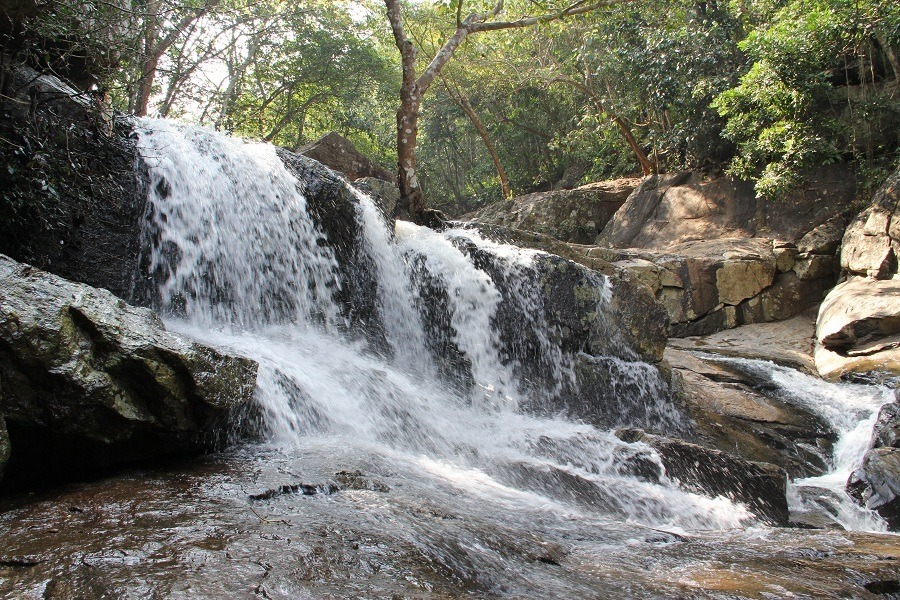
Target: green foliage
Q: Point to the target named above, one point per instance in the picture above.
(816, 92)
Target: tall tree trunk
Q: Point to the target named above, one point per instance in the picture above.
(412, 199)
(464, 103)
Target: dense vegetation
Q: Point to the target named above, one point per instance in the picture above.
(765, 89)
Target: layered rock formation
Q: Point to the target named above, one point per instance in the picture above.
(89, 381)
(858, 328)
(714, 254)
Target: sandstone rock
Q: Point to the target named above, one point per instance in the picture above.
(740, 279)
(815, 266)
(858, 328)
(871, 243)
(784, 258)
(877, 484)
(734, 414)
(824, 239)
(337, 152)
(762, 487)
(666, 210)
(790, 342)
(787, 296)
(88, 380)
(568, 215)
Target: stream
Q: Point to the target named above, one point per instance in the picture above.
(405, 466)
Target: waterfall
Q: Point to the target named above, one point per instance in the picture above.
(240, 263)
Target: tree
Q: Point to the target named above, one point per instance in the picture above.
(414, 86)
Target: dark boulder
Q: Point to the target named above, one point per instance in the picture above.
(877, 484)
(88, 381)
(337, 152)
(73, 187)
(762, 487)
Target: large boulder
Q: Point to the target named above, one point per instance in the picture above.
(577, 215)
(734, 411)
(858, 329)
(73, 189)
(666, 210)
(872, 241)
(762, 487)
(337, 152)
(87, 380)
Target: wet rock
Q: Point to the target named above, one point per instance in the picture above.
(886, 433)
(74, 190)
(871, 243)
(337, 152)
(333, 206)
(736, 413)
(762, 487)
(356, 480)
(305, 489)
(4, 445)
(577, 215)
(858, 328)
(386, 194)
(876, 485)
(89, 381)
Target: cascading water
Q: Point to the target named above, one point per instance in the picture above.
(241, 264)
(851, 410)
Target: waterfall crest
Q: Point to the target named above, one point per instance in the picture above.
(240, 263)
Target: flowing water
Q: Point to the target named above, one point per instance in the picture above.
(450, 488)
(234, 239)
(851, 410)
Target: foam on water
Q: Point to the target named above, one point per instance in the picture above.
(241, 264)
(851, 410)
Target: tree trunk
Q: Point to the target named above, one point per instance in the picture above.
(464, 103)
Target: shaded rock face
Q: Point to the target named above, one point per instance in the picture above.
(871, 243)
(73, 190)
(337, 152)
(858, 329)
(876, 485)
(89, 381)
(577, 215)
(666, 210)
(333, 206)
(736, 413)
(762, 487)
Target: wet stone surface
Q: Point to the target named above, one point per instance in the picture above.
(191, 531)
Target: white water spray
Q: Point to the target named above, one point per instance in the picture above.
(241, 264)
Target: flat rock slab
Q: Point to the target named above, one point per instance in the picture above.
(89, 381)
(731, 414)
(790, 343)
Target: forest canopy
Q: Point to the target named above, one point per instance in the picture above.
(762, 89)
